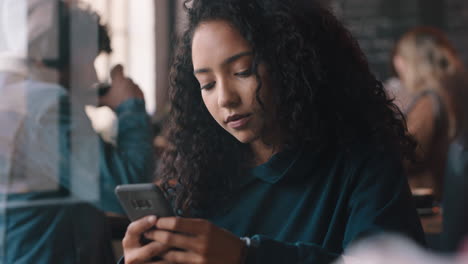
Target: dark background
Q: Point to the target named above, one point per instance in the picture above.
(377, 24)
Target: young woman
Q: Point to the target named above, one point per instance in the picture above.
(431, 71)
(281, 136)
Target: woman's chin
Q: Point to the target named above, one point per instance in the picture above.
(245, 138)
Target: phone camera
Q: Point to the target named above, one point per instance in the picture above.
(141, 204)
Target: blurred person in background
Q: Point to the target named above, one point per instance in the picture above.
(54, 170)
(395, 89)
(430, 69)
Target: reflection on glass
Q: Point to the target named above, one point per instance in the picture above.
(55, 171)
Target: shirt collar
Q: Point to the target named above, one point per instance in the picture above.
(277, 166)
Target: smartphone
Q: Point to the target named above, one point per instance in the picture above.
(140, 200)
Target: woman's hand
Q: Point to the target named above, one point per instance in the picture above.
(134, 251)
(195, 241)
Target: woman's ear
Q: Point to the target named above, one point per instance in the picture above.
(448, 63)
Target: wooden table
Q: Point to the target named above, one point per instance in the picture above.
(432, 224)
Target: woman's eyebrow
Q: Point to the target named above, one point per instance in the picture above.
(202, 70)
(236, 57)
(226, 61)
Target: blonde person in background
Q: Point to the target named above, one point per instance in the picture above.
(430, 69)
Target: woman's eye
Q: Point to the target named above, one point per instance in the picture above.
(208, 86)
(245, 73)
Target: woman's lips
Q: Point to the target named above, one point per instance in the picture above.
(239, 123)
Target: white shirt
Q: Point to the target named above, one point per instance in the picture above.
(30, 135)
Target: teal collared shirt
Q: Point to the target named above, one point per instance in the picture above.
(303, 206)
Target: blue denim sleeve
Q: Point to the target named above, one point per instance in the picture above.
(132, 159)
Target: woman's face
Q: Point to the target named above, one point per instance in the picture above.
(401, 69)
(222, 62)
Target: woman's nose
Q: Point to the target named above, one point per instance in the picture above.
(228, 95)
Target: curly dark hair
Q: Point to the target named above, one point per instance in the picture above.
(327, 96)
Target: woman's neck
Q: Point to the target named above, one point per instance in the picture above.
(262, 152)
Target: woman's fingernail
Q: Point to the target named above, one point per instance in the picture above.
(151, 219)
